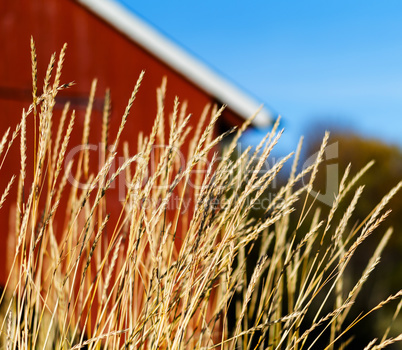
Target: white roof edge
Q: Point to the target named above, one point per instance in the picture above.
(174, 56)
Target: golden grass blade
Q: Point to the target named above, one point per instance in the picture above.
(181, 273)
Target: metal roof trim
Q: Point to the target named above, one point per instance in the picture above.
(177, 58)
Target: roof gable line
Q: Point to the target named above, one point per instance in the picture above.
(177, 58)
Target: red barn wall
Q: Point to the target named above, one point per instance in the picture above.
(95, 49)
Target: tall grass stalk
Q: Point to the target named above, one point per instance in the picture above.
(181, 278)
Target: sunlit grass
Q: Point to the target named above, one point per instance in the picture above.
(176, 277)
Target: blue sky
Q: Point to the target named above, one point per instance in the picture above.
(336, 63)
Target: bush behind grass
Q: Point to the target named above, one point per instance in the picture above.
(171, 276)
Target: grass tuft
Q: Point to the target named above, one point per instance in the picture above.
(203, 273)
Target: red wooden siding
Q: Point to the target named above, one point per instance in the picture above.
(95, 49)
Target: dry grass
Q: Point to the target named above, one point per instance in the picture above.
(176, 278)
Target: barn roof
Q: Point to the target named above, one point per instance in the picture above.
(177, 58)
